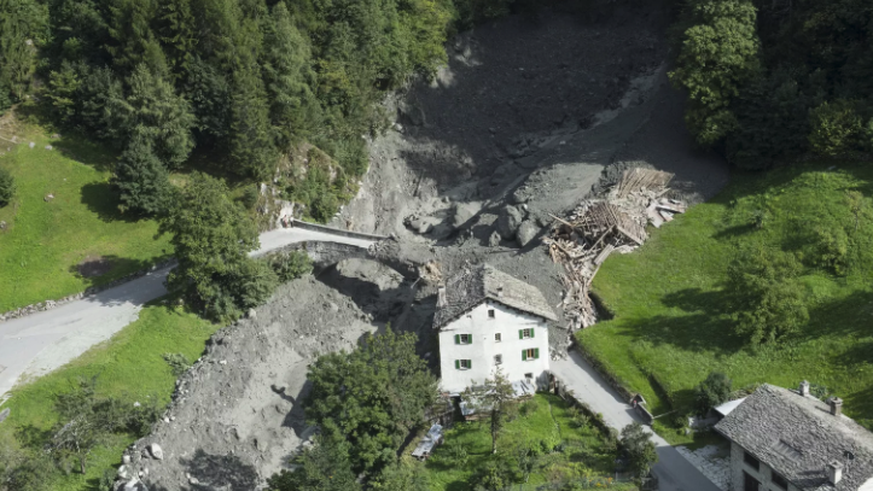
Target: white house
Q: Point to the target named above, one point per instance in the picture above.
(488, 319)
(786, 440)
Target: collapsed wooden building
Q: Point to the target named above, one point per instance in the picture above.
(598, 227)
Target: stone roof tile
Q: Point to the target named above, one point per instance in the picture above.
(798, 437)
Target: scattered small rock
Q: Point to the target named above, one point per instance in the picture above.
(4, 414)
(49, 147)
(494, 239)
(49, 197)
(251, 314)
(3, 225)
(31, 145)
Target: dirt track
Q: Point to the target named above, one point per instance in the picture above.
(528, 112)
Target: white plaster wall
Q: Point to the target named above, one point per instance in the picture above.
(738, 466)
(867, 486)
(481, 352)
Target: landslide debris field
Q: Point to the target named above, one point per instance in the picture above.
(529, 116)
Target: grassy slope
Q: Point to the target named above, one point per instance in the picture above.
(128, 366)
(671, 321)
(45, 240)
(550, 422)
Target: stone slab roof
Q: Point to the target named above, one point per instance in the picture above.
(474, 285)
(797, 437)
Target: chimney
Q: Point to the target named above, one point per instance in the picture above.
(835, 472)
(441, 297)
(836, 405)
(804, 388)
(499, 291)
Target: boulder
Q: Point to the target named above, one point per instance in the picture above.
(527, 232)
(508, 222)
(155, 451)
(463, 212)
(124, 472)
(135, 485)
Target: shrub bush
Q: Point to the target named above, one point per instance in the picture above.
(836, 128)
(714, 390)
(178, 363)
(7, 187)
(290, 265)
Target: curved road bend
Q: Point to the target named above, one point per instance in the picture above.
(674, 472)
(37, 344)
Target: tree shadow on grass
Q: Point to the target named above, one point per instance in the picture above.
(707, 325)
(83, 150)
(101, 199)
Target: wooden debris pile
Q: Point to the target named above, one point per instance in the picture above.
(599, 227)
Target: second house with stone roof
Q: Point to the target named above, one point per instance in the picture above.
(489, 319)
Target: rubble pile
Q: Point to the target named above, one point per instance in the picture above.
(600, 226)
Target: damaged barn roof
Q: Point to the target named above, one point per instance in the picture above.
(474, 285)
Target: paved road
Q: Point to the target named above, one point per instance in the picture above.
(674, 472)
(37, 344)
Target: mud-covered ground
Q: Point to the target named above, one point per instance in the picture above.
(531, 113)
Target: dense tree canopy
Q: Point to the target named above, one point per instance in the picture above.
(769, 80)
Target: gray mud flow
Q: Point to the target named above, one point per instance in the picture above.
(530, 114)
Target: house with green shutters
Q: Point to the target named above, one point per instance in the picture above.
(488, 319)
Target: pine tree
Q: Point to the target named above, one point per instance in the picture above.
(288, 76)
(152, 110)
(142, 180)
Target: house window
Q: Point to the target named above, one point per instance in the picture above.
(463, 364)
(525, 333)
(751, 461)
(528, 375)
(530, 354)
(498, 337)
(779, 480)
(490, 313)
(750, 483)
(498, 359)
(463, 338)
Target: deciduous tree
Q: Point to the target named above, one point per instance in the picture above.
(372, 397)
(639, 448)
(212, 236)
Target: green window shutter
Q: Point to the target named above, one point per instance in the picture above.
(470, 364)
(536, 353)
(471, 339)
(532, 331)
(457, 339)
(524, 355)
(457, 364)
(521, 334)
